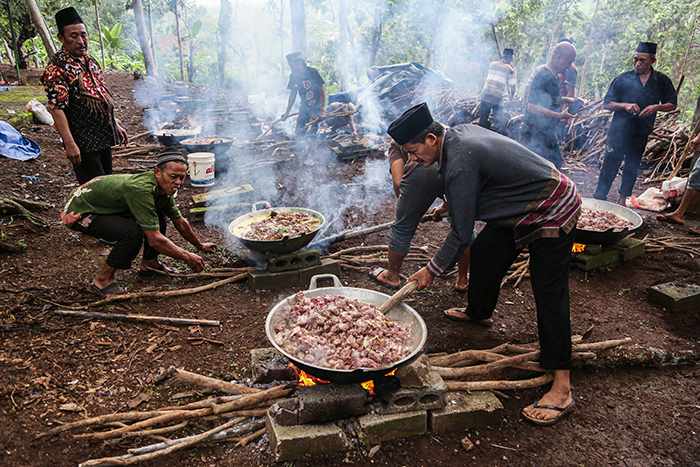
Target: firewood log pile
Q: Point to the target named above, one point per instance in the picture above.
(237, 418)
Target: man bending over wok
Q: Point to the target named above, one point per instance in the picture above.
(524, 201)
(127, 209)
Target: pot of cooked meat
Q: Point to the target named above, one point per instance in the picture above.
(603, 223)
(277, 230)
(338, 334)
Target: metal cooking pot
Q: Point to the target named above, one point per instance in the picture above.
(597, 237)
(174, 136)
(218, 146)
(286, 245)
(402, 313)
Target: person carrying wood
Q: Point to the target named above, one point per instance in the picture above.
(543, 112)
(501, 75)
(126, 209)
(635, 96)
(524, 201)
(79, 101)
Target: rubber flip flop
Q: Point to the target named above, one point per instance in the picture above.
(154, 271)
(458, 314)
(694, 231)
(374, 274)
(111, 289)
(664, 217)
(562, 411)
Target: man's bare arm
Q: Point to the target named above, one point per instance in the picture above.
(61, 125)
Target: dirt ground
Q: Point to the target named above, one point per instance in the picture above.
(626, 416)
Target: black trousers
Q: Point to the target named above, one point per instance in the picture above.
(93, 164)
(492, 254)
(128, 235)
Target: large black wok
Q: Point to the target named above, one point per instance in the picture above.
(173, 136)
(597, 237)
(402, 313)
(238, 227)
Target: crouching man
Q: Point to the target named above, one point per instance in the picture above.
(125, 209)
(524, 201)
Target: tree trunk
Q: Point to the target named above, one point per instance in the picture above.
(102, 42)
(179, 41)
(298, 13)
(282, 60)
(588, 49)
(14, 42)
(41, 27)
(191, 72)
(140, 21)
(343, 58)
(153, 43)
(377, 33)
(224, 38)
(430, 56)
(8, 52)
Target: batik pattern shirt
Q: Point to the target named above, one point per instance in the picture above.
(77, 87)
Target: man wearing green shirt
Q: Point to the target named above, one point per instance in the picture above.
(125, 209)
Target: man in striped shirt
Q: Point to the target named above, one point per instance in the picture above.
(501, 74)
(524, 201)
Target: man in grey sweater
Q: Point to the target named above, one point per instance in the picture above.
(524, 201)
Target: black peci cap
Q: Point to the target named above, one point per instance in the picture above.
(646, 47)
(295, 56)
(410, 124)
(66, 17)
(508, 52)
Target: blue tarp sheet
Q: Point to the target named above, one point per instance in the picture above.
(16, 146)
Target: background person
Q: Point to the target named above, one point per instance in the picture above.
(127, 209)
(79, 101)
(544, 111)
(635, 96)
(308, 83)
(501, 75)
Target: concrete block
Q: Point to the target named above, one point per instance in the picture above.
(466, 410)
(294, 442)
(392, 398)
(416, 373)
(675, 297)
(629, 248)
(375, 428)
(588, 262)
(320, 403)
(268, 365)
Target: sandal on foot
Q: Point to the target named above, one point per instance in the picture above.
(458, 314)
(694, 231)
(562, 411)
(374, 274)
(667, 218)
(111, 289)
(155, 271)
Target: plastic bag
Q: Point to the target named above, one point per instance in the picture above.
(673, 189)
(650, 200)
(41, 115)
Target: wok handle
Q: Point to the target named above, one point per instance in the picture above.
(264, 203)
(399, 296)
(336, 281)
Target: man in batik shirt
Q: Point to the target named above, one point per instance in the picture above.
(81, 105)
(308, 83)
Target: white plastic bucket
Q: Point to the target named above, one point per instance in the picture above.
(201, 168)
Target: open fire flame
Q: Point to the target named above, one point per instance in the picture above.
(578, 248)
(306, 379)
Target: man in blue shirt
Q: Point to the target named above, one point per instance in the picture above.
(635, 96)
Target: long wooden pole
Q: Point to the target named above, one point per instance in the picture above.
(99, 32)
(14, 41)
(179, 42)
